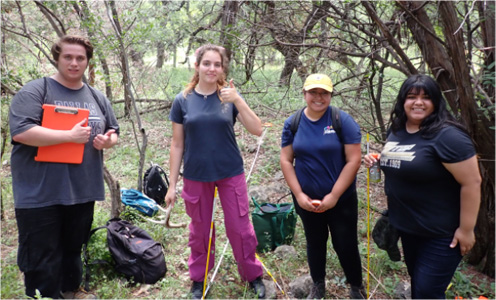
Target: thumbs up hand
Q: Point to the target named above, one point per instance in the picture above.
(229, 94)
(102, 141)
(81, 132)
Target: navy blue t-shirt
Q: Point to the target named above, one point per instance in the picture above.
(210, 149)
(423, 197)
(319, 155)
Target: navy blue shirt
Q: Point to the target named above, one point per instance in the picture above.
(319, 154)
(423, 197)
(210, 149)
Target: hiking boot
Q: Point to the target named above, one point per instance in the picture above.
(317, 291)
(77, 294)
(258, 287)
(197, 290)
(357, 292)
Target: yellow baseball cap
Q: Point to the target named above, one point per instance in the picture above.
(314, 81)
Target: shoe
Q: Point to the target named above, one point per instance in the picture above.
(77, 294)
(197, 290)
(357, 292)
(258, 287)
(317, 291)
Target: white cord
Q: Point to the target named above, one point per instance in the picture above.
(259, 142)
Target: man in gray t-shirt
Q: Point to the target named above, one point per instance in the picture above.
(54, 202)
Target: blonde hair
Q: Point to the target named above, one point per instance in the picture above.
(221, 82)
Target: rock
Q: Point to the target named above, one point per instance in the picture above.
(270, 289)
(403, 291)
(300, 287)
(268, 193)
(285, 252)
(259, 193)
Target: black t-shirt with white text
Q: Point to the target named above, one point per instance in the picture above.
(423, 197)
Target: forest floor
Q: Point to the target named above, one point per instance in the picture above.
(384, 276)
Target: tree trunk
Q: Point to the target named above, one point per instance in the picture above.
(51, 17)
(229, 15)
(377, 99)
(290, 43)
(449, 65)
(401, 57)
(106, 72)
(250, 55)
(480, 129)
(291, 62)
(130, 103)
(114, 19)
(487, 15)
(115, 193)
(84, 15)
(160, 55)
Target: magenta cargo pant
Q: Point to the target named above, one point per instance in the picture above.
(198, 198)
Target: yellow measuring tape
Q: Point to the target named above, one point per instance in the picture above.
(268, 272)
(368, 222)
(209, 244)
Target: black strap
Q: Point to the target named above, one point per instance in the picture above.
(165, 175)
(295, 122)
(86, 257)
(336, 122)
(44, 89)
(335, 119)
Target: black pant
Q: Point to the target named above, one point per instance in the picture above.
(50, 242)
(341, 221)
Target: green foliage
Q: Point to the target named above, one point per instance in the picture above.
(177, 25)
(39, 296)
(465, 286)
(12, 282)
(389, 285)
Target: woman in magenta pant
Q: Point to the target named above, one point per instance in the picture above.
(203, 118)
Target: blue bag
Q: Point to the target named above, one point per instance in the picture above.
(137, 200)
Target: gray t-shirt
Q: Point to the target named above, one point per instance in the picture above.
(40, 184)
(210, 149)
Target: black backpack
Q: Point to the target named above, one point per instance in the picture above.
(135, 253)
(155, 183)
(335, 119)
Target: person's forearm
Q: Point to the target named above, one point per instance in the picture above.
(469, 206)
(349, 171)
(38, 136)
(249, 119)
(345, 179)
(290, 176)
(176, 155)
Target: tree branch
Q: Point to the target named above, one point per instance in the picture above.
(391, 40)
(50, 16)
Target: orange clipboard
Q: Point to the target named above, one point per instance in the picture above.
(62, 118)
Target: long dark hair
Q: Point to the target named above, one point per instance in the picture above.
(439, 118)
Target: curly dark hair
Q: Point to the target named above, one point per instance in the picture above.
(439, 118)
(72, 39)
